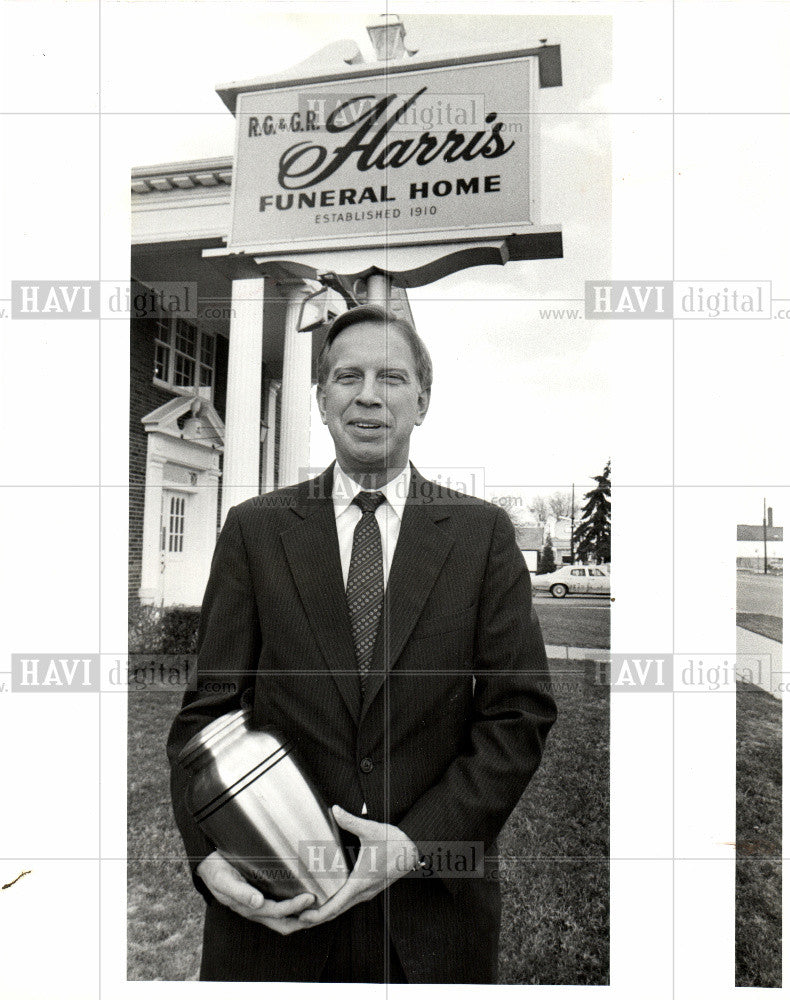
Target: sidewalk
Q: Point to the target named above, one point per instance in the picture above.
(759, 661)
(577, 653)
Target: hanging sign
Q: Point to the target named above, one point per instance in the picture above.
(420, 156)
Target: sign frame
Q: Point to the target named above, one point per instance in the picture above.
(237, 96)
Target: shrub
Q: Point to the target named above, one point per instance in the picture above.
(163, 630)
(546, 563)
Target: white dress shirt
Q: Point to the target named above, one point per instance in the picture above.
(388, 515)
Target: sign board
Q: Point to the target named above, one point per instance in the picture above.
(428, 155)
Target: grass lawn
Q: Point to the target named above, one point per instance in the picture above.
(768, 625)
(555, 851)
(758, 875)
(565, 623)
(165, 914)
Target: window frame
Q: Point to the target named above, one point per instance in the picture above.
(174, 531)
(173, 350)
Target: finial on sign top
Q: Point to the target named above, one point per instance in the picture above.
(388, 39)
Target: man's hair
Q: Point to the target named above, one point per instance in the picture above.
(377, 314)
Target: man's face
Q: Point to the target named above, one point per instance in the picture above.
(372, 399)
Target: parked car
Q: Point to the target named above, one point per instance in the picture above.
(574, 580)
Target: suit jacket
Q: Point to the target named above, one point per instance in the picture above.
(456, 710)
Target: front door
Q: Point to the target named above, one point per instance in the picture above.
(175, 546)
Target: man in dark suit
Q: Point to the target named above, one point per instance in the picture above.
(385, 624)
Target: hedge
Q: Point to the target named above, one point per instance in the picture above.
(163, 630)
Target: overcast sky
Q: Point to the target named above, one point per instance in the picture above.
(521, 398)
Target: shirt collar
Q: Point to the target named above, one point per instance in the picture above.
(344, 489)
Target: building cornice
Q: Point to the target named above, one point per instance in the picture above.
(185, 175)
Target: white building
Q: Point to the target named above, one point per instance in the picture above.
(755, 542)
(219, 387)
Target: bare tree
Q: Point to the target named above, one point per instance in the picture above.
(561, 504)
(516, 514)
(540, 509)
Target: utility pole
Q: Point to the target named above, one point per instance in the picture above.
(765, 540)
(573, 515)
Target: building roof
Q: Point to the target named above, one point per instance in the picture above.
(529, 537)
(754, 533)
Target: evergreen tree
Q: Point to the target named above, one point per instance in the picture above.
(592, 538)
(546, 563)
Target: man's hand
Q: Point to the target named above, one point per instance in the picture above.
(229, 888)
(385, 855)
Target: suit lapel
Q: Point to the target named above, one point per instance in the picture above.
(419, 556)
(313, 555)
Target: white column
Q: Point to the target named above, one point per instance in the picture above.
(205, 531)
(241, 468)
(268, 480)
(297, 381)
(151, 570)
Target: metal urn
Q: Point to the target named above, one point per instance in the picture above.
(256, 804)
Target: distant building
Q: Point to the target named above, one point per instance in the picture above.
(755, 541)
(561, 540)
(530, 540)
(560, 531)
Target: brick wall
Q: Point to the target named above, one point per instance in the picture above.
(144, 396)
(220, 376)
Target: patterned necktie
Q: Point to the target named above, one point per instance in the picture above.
(365, 587)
